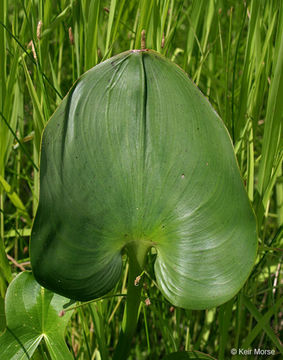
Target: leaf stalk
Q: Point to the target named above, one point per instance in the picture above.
(137, 255)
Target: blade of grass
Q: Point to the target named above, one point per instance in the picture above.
(17, 202)
(18, 140)
(194, 23)
(145, 12)
(247, 70)
(262, 321)
(99, 326)
(91, 58)
(30, 57)
(110, 25)
(39, 120)
(274, 115)
(225, 314)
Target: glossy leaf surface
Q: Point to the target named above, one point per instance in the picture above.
(32, 314)
(136, 154)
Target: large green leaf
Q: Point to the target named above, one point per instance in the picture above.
(136, 155)
(32, 314)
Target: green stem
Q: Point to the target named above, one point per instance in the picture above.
(99, 326)
(136, 253)
(5, 270)
(36, 180)
(279, 198)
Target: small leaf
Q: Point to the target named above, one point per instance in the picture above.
(32, 315)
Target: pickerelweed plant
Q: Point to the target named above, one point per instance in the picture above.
(135, 157)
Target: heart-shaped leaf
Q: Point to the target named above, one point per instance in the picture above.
(32, 314)
(135, 155)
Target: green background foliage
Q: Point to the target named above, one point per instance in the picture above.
(232, 50)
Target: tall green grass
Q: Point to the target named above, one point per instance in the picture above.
(233, 50)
